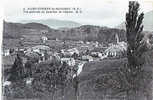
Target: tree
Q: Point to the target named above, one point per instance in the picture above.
(137, 46)
(76, 86)
(49, 78)
(75, 55)
(134, 28)
(28, 68)
(17, 70)
(63, 79)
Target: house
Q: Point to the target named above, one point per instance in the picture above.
(41, 49)
(87, 42)
(56, 39)
(8, 61)
(80, 42)
(73, 50)
(6, 83)
(116, 50)
(96, 54)
(70, 52)
(54, 55)
(28, 50)
(87, 58)
(69, 61)
(84, 49)
(65, 53)
(104, 56)
(29, 81)
(6, 52)
(33, 56)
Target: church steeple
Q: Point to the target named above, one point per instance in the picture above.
(44, 37)
(117, 38)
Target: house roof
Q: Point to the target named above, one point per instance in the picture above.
(42, 47)
(32, 55)
(117, 48)
(63, 59)
(72, 50)
(87, 57)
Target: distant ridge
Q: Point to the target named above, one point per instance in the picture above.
(33, 31)
(54, 23)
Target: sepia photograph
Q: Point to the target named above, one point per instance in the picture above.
(77, 50)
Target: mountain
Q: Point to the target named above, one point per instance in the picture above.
(53, 23)
(33, 32)
(147, 22)
(17, 30)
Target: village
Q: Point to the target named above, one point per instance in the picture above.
(74, 53)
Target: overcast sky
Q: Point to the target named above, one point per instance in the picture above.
(94, 12)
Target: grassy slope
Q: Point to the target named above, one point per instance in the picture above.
(93, 71)
(108, 68)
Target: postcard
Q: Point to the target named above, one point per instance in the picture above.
(77, 50)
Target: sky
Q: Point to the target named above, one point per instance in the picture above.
(94, 12)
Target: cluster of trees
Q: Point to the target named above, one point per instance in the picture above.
(17, 70)
(48, 77)
(20, 71)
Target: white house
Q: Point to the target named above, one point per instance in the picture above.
(116, 50)
(87, 58)
(96, 54)
(40, 48)
(6, 52)
(73, 50)
(29, 81)
(87, 42)
(6, 83)
(70, 52)
(80, 42)
(69, 61)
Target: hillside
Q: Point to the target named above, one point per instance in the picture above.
(17, 30)
(103, 78)
(85, 32)
(147, 22)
